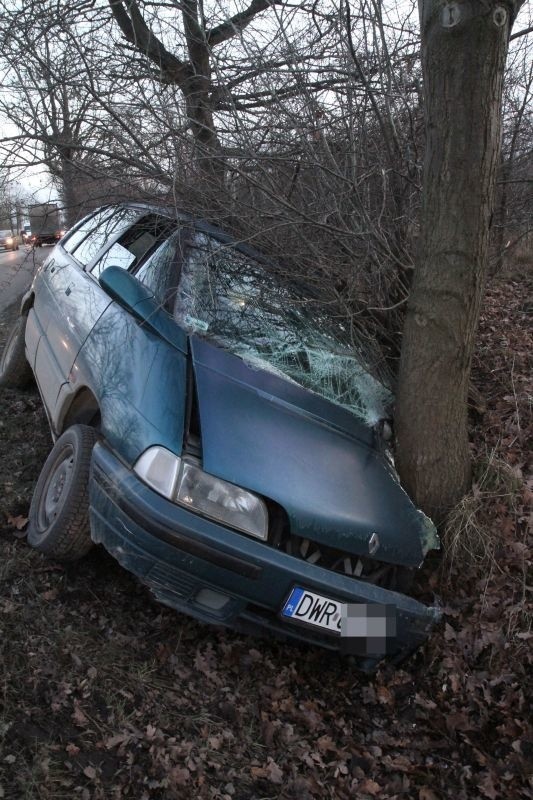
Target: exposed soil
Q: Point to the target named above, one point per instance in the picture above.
(106, 694)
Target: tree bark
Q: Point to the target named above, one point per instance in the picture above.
(464, 47)
(196, 90)
(69, 176)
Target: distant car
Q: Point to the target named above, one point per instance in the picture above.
(8, 241)
(216, 432)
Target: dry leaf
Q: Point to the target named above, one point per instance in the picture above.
(18, 522)
(274, 773)
(384, 696)
(180, 776)
(79, 717)
(370, 787)
(90, 773)
(487, 787)
(427, 794)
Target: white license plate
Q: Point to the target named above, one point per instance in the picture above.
(313, 609)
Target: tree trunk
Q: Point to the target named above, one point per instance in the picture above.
(464, 47)
(69, 194)
(196, 89)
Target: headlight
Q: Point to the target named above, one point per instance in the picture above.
(188, 485)
(9, 240)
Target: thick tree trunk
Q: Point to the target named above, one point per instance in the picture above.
(464, 47)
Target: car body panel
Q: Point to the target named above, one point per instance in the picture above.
(177, 554)
(67, 304)
(313, 458)
(79, 301)
(126, 364)
(34, 332)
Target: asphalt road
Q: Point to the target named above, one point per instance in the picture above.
(16, 272)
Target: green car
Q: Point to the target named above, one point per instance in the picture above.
(216, 432)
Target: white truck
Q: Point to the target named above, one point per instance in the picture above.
(45, 224)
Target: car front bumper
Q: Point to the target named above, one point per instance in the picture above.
(219, 576)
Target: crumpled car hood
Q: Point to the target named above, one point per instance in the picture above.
(315, 459)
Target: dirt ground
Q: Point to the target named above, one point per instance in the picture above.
(105, 694)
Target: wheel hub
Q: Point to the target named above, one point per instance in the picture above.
(56, 490)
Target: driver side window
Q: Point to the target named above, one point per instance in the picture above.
(160, 272)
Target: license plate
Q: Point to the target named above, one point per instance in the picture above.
(313, 609)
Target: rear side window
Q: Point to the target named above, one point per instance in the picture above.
(136, 243)
(96, 233)
(80, 231)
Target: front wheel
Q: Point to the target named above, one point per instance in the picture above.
(15, 372)
(59, 511)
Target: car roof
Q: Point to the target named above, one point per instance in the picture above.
(199, 224)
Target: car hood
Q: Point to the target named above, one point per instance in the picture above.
(314, 458)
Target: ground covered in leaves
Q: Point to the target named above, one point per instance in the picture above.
(105, 694)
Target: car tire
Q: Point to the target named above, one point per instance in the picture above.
(59, 512)
(15, 372)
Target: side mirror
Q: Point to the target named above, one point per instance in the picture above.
(139, 300)
(124, 288)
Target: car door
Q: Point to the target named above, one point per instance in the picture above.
(138, 376)
(68, 301)
(44, 307)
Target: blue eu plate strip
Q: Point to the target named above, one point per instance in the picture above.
(292, 603)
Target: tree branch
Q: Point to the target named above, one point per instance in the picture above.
(238, 22)
(136, 31)
(521, 33)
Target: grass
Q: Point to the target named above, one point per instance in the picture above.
(470, 536)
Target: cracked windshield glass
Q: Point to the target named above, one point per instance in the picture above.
(251, 310)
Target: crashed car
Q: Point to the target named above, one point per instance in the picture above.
(8, 241)
(216, 432)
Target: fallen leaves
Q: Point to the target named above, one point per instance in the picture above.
(124, 699)
(270, 772)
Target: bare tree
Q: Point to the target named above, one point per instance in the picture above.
(45, 99)
(301, 127)
(71, 112)
(194, 73)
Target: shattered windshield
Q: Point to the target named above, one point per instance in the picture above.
(251, 310)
